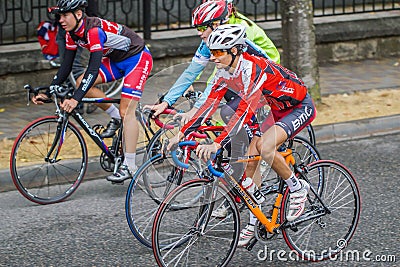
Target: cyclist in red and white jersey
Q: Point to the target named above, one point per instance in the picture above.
(115, 52)
(255, 79)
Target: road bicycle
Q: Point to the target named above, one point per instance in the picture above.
(185, 234)
(49, 157)
(160, 175)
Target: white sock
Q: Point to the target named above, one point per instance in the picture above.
(253, 218)
(113, 112)
(130, 160)
(293, 183)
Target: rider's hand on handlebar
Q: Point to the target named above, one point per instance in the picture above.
(182, 117)
(40, 99)
(185, 117)
(205, 151)
(172, 142)
(158, 109)
(69, 104)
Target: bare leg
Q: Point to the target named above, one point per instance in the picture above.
(131, 126)
(253, 167)
(268, 145)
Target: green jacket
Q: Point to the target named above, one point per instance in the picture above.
(256, 35)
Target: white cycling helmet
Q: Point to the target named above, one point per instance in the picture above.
(227, 36)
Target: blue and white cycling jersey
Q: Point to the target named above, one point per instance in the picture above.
(196, 66)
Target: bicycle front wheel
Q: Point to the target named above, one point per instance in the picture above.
(149, 186)
(43, 178)
(320, 233)
(155, 144)
(190, 236)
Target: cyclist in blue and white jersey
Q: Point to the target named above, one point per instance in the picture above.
(207, 17)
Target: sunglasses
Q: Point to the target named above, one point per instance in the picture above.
(218, 52)
(203, 28)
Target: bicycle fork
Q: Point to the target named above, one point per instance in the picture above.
(58, 141)
(208, 198)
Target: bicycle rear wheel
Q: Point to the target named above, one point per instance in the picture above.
(47, 181)
(189, 236)
(308, 133)
(111, 88)
(149, 186)
(319, 234)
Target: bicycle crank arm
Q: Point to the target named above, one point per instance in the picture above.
(251, 244)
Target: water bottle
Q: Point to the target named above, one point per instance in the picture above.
(253, 190)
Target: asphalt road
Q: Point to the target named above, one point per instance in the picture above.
(90, 228)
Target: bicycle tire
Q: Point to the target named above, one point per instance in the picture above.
(112, 88)
(308, 133)
(321, 238)
(155, 144)
(150, 185)
(41, 181)
(311, 135)
(190, 235)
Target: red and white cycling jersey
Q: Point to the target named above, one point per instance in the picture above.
(115, 40)
(257, 81)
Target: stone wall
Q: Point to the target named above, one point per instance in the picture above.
(350, 37)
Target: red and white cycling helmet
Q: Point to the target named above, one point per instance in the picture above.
(210, 11)
(227, 36)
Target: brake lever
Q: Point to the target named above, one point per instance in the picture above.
(28, 88)
(28, 98)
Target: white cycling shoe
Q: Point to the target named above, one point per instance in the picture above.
(297, 201)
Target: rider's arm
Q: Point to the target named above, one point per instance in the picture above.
(199, 62)
(65, 68)
(250, 98)
(203, 96)
(97, 38)
(207, 109)
(258, 36)
(90, 76)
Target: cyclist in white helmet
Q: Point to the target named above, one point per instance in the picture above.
(255, 78)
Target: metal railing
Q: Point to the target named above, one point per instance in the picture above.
(19, 18)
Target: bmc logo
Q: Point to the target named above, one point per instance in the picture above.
(304, 116)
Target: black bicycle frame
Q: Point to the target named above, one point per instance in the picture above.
(92, 133)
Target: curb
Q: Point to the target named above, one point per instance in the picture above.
(357, 129)
(328, 133)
